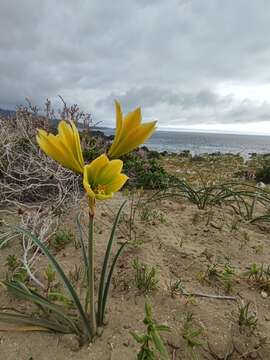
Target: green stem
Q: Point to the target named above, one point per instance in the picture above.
(91, 287)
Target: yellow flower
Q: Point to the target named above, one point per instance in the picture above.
(65, 147)
(102, 177)
(130, 132)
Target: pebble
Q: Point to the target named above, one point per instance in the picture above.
(253, 355)
(264, 294)
(71, 342)
(126, 343)
(261, 185)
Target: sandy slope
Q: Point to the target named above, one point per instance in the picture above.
(181, 242)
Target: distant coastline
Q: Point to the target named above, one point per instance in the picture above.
(196, 142)
(201, 143)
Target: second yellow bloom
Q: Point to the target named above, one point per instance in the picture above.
(102, 177)
(130, 132)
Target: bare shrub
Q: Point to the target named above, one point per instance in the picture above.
(26, 174)
(32, 185)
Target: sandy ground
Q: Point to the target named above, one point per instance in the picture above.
(181, 242)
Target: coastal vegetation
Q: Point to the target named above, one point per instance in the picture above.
(185, 241)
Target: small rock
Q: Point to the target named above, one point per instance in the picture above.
(264, 294)
(126, 343)
(253, 355)
(244, 343)
(100, 331)
(71, 342)
(173, 340)
(261, 185)
(222, 346)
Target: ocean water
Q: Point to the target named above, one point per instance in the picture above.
(199, 143)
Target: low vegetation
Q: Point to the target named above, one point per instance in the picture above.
(151, 342)
(193, 232)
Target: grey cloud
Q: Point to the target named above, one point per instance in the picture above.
(204, 106)
(149, 96)
(168, 57)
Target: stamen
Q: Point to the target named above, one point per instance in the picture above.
(100, 189)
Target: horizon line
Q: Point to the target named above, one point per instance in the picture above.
(202, 131)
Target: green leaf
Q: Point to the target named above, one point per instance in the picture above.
(148, 311)
(80, 230)
(146, 354)
(3, 240)
(22, 291)
(195, 333)
(101, 292)
(62, 275)
(159, 344)
(162, 328)
(28, 320)
(140, 338)
(109, 278)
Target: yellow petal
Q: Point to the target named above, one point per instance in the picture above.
(124, 126)
(95, 167)
(117, 184)
(110, 171)
(78, 144)
(69, 136)
(86, 184)
(119, 119)
(66, 139)
(66, 135)
(104, 196)
(53, 148)
(131, 121)
(119, 124)
(135, 138)
(64, 147)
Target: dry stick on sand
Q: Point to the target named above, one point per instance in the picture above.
(218, 297)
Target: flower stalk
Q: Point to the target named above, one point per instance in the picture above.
(91, 276)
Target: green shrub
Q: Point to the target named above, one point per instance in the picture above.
(15, 269)
(263, 174)
(145, 278)
(146, 173)
(90, 154)
(185, 154)
(61, 239)
(152, 154)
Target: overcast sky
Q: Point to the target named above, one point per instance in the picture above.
(197, 64)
